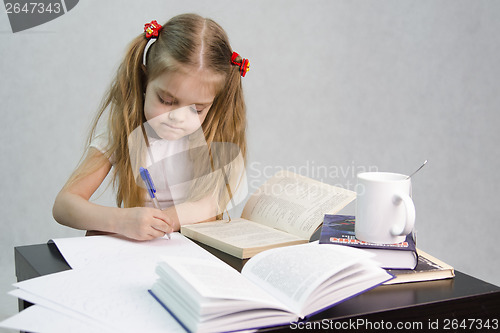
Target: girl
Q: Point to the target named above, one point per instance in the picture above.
(177, 91)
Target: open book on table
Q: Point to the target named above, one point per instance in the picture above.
(278, 286)
(285, 210)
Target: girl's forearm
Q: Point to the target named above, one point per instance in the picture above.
(193, 212)
(76, 212)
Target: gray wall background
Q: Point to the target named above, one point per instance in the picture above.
(335, 87)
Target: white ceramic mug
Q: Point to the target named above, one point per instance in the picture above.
(385, 212)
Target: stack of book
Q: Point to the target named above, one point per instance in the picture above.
(403, 260)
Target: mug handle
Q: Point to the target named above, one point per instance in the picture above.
(402, 230)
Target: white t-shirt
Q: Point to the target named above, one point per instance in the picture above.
(169, 166)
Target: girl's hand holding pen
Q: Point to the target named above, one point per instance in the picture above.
(145, 223)
(146, 177)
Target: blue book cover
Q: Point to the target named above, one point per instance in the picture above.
(339, 229)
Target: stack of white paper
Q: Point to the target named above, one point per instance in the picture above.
(107, 289)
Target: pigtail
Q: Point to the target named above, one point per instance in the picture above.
(124, 102)
(126, 99)
(227, 120)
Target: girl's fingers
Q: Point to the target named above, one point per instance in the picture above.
(163, 215)
(165, 219)
(156, 233)
(172, 219)
(162, 226)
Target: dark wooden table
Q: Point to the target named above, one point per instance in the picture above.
(460, 304)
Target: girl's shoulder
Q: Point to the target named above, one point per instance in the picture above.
(101, 141)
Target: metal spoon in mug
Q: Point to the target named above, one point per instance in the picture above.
(417, 170)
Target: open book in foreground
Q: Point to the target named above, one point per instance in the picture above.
(278, 286)
(285, 210)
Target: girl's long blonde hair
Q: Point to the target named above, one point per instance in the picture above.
(186, 41)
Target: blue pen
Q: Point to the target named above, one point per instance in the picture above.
(150, 186)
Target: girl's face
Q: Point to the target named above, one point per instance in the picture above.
(176, 104)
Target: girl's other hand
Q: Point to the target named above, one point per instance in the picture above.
(144, 223)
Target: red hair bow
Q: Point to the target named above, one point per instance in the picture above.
(244, 65)
(152, 29)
